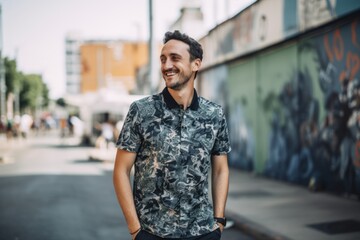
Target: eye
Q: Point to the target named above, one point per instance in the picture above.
(175, 58)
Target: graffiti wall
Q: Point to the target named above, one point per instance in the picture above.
(255, 27)
(294, 110)
(332, 140)
(313, 13)
(268, 22)
(278, 108)
(241, 105)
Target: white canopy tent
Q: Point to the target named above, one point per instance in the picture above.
(103, 101)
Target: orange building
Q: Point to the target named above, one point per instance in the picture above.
(111, 64)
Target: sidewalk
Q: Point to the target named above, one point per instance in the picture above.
(5, 148)
(270, 209)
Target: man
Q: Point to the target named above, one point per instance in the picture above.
(173, 138)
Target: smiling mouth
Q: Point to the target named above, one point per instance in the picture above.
(169, 74)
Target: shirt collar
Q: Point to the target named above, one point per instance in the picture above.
(171, 103)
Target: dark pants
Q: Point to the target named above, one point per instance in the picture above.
(144, 235)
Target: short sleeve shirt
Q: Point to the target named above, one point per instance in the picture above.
(174, 148)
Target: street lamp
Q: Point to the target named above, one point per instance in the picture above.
(2, 73)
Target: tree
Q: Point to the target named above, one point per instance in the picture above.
(12, 80)
(45, 95)
(33, 92)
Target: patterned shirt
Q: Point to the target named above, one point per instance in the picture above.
(174, 148)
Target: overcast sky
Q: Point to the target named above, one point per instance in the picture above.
(34, 30)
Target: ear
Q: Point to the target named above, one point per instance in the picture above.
(196, 64)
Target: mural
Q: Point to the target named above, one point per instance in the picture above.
(294, 111)
(241, 106)
(290, 138)
(320, 151)
(336, 151)
(319, 143)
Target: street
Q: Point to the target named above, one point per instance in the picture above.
(49, 189)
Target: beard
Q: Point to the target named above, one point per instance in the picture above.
(180, 83)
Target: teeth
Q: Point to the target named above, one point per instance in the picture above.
(170, 74)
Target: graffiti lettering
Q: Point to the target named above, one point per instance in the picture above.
(352, 64)
(327, 48)
(335, 51)
(338, 45)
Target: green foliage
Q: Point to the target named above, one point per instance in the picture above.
(45, 95)
(12, 80)
(32, 90)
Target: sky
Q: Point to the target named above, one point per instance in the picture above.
(34, 31)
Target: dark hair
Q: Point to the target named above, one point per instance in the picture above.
(195, 48)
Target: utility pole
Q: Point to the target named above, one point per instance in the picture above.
(152, 50)
(2, 73)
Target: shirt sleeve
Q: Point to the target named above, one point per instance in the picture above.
(222, 142)
(130, 138)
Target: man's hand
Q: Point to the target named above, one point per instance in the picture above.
(220, 226)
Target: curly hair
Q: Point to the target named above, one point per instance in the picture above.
(195, 48)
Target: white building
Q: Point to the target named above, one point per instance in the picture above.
(73, 63)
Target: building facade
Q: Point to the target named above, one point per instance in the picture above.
(72, 63)
(111, 64)
(95, 64)
(287, 74)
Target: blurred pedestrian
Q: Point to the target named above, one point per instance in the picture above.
(9, 128)
(173, 139)
(107, 131)
(70, 125)
(25, 125)
(63, 127)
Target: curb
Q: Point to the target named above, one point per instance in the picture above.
(253, 229)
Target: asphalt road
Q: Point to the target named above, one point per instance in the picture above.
(50, 190)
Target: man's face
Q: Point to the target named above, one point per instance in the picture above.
(176, 67)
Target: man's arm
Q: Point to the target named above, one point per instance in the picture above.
(121, 178)
(220, 184)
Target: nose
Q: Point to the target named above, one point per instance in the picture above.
(167, 64)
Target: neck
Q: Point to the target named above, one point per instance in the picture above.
(183, 96)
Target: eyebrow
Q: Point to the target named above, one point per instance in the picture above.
(171, 55)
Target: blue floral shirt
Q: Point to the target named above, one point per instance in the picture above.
(174, 148)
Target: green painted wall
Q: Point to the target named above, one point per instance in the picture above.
(241, 88)
(276, 69)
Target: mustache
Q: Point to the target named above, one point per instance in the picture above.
(170, 70)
